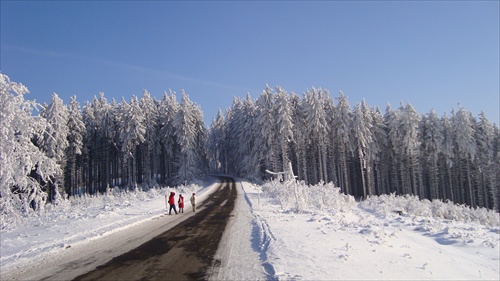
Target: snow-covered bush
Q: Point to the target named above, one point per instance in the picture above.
(75, 206)
(411, 205)
(296, 196)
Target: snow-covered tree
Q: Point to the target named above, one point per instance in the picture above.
(390, 117)
(466, 149)
(113, 147)
(343, 143)
(20, 159)
(315, 118)
(191, 135)
(250, 165)
(404, 136)
(168, 140)
(362, 124)
(495, 161)
(331, 157)
(486, 169)
(100, 149)
(235, 145)
(151, 146)
(55, 141)
(446, 161)
(411, 144)
(379, 154)
(432, 145)
(132, 134)
(284, 126)
(240, 150)
(265, 122)
(301, 143)
(76, 134)
(216, 143)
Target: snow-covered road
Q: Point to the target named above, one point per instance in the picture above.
(268, 240)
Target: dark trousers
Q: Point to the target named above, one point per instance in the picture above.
(172, 206)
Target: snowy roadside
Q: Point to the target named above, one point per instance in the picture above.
(351, 242)
(86, 227)
(238, 256)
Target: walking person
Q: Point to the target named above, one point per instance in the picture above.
(193, 202)
(171, 201)
(181, 203)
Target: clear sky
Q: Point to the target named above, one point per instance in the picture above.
(431, 54)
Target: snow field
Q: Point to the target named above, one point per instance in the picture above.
(340, 239)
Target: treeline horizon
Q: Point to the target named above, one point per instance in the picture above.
(361, 150)
(70, 150)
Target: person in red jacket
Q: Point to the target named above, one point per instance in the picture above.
(181, 203)
(171, 201)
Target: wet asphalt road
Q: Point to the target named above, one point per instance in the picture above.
(185, 252)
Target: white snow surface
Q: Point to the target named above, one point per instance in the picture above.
(277, 232)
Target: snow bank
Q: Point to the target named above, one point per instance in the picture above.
(411, 205)
(297, 197)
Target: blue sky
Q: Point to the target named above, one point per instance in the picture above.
(434, 55)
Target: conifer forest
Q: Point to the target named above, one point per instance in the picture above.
(53, 151)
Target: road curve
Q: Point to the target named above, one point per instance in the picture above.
(184, 252)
